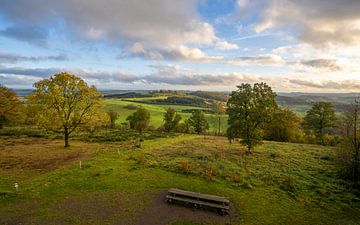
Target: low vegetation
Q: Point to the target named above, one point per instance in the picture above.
(280, 183)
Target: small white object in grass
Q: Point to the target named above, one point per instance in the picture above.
(16, 186)
(80, 164)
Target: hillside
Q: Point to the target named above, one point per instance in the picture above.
(280, 183)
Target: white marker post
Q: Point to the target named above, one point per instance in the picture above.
(80, 164)
(16, 187)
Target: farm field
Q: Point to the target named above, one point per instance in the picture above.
(280, 183)
(157, 112)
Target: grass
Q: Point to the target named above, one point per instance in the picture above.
(157, 112)
(281, 183)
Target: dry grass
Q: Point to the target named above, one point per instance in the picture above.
(24, 157)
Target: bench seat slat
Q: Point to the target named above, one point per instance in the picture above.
(198, 202)
(197, 195)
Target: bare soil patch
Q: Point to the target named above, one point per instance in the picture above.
(158, 212)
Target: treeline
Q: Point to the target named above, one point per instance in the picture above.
(65, 104)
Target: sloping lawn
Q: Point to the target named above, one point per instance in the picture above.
(280, 183)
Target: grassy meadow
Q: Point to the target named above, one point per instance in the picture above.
(281, 183)
(157, 111)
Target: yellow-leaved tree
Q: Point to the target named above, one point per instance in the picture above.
(11, 108)
(63, 103)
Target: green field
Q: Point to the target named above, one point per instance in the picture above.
(157, 112)
(281, 183)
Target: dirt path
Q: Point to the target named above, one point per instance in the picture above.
(161, 213)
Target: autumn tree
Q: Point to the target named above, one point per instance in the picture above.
(198, 121)
(11, 108)
(348, 152)
(171, 120)
(249, 109)
(139, 120)
(320, 120)
(64, 103)
(284, 126)
(113, 116)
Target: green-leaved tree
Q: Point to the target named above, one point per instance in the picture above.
(249, 109)
(198, 121)
(320, 120)
(64, 103)
(348, 152)
(284, 126)
(139, 120)
(113, 116)
(171, 120)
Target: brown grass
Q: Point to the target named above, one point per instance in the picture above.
(29, 156)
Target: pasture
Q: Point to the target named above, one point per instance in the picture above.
(157, 112)
(281, 183)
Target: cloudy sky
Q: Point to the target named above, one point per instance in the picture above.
(307, 45)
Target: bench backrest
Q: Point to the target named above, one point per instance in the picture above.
(198, 195)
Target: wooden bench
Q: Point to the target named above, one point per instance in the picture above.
(197, 200)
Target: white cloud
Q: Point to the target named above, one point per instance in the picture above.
(154, 28)
(320, 23)
(224, 45)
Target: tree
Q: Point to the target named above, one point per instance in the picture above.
(348, 152)
(284, 126)
(249, 109)
(198, 121)
(64, 103)
(113, 117)
(171, 120)
(139, 120)
(184, 127)
(219, 109)
(320, 120)
(11, 108)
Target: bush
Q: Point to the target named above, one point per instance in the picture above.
(131, 107)
(23, 131)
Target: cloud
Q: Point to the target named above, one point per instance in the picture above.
(348, 85)
(320, 23)
(155, 29)
(330, 65)
(224, 45)
(256, 60)
(30, 34)
(103, 76)
(176, 76)
(6, 57)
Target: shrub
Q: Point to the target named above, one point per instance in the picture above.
(184, 166)
(131, 107)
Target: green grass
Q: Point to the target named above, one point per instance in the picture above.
(157, 112)
(280, 183)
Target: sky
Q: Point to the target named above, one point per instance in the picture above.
(292, 45)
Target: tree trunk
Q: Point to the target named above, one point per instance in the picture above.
(66, 134)
(249, 149)
(219, 126)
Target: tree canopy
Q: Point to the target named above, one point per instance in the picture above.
(198, 121)
(63, 103)
(348, 152)
(139, 120)
(319, 120)
(11, 108)
(171, 120)
(249, 108)
(284, 126)
(113, 116)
